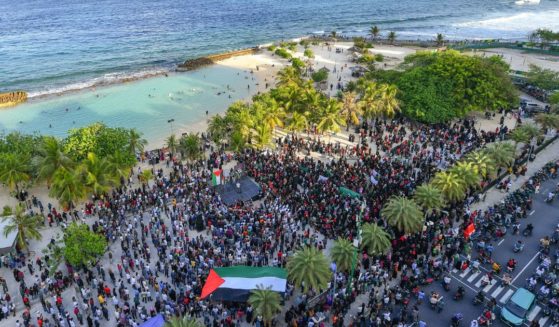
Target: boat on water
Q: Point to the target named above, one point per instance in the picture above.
(527, 2)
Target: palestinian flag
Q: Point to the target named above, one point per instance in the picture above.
(217, 177)
(235, 283)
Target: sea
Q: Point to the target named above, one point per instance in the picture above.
(53, 46)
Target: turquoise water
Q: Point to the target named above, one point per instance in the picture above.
(53, 45)
(146, 104)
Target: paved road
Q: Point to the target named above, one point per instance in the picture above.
(544, 217)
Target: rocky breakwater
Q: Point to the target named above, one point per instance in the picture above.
(9, 99)
(192, 64)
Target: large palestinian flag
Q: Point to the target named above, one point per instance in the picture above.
(235, 283)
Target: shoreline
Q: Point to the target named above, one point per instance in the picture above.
(180, 66)
(142, 75)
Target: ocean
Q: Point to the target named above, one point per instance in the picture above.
(48, 46)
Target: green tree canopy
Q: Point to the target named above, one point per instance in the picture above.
(437, 87)
(404, 214)
(100, 140)
(429, 197)
(451, 185)
(266, 303)
(27, 226)
(14, 170)
(374, 239)
(309, 268)
(342, 254)
(546, 79)
(83, 247)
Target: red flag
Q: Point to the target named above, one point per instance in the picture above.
(469, 231)
(212, 283)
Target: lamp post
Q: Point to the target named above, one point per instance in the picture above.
(356, 245)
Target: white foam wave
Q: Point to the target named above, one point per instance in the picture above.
(107, 79)
(522, 22)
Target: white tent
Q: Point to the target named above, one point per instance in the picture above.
(6, 242)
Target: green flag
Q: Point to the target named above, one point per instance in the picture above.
(348, 192)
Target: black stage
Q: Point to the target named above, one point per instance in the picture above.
(229, 193)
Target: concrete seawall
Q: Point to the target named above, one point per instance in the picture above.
(9, 99)
(196, 63)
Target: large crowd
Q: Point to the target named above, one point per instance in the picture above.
(164, 238)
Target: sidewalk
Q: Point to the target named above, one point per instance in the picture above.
(493, 195)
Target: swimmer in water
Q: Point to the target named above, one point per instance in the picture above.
(66, 109)
(50, 125)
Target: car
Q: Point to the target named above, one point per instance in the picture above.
(516, 309)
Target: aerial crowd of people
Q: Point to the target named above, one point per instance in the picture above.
(165, 237)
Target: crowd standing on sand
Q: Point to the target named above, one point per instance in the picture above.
(165, 235)
(164, 238)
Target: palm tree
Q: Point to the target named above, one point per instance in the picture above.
(440, 39)
(350, 110)
(368, 101)
(532, 130)
(374, 239)
(68, 187)
(190, 146)
(468, 173)
(135, 141)
(274, 114)
(451, 185)
(171, 143)
(331, 120)
(98, 176)
(313, 103)
(27, 226)
(183, 322)
(342, 254)
(374, 31)
(240, 117)
(262, 136)
(404, 214)
(524, 134)
(237, 142)
(334, 34)
(429, 198)
(297, 122)
(309, 268)
(266, 303)
(120, 164)
(145, 176)
(548, 121)
(482, 163)
(14, 169)
(388, 104)
(289, 76)
(391, 37)
(502, 153)
(50, 157)
(218, 128)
